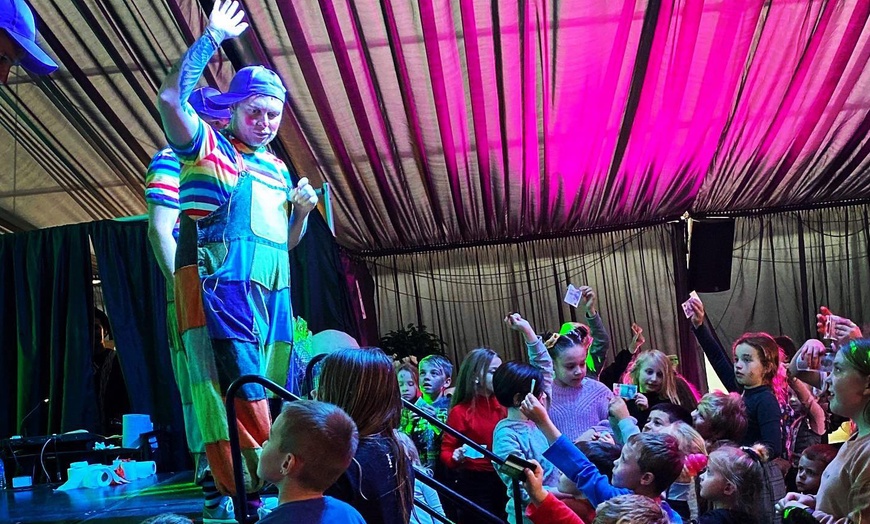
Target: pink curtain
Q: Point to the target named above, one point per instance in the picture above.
(465, 121)
(456, 122)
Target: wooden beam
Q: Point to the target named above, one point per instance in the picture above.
(13, 223)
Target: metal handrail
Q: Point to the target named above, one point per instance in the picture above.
(515, 484)
(240, 501)
(235, 447)
(456, 497)
(447, 429)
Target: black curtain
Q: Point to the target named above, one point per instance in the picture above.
(46, 319)
(134, 292)
(317, 284)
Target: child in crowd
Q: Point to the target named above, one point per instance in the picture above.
(733, 483)
(681, 494)
(664, 414)
(622, 509)
(475, 412)
(603, 454)
(844, 490)
(310, 445)
(661, 415)
(408, 379)
(600, 342)
(806, 424)
(654, 374)
(435, 373)
(812, 464)
(720, 416)
(422, 493)
(578, 402)
(756, 363)
(517, 435)
(379, 482)
(630, 509)
(648, 465)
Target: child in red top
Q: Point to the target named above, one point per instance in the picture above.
(474, 412)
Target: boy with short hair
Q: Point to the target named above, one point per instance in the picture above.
(648, 465)
(310, 445)
(812, 464)
(435, 372)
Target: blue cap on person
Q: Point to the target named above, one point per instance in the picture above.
(250, 81)
(17, 21)
(201, 101)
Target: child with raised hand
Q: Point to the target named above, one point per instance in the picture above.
(577, 402)
(475, 412)
(517, 435)
(600, 338)
(310, 445)
(622, 509)
(435, 372)
(601, 452)
(648, 465)
(733, 483)
(844, 490)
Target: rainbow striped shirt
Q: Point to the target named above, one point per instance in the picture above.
(161, 179)
(211, 169)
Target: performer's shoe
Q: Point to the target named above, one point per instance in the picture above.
(223, 513)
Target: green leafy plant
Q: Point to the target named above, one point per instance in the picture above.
(411, 342)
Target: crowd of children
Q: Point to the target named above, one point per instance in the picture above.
(646, 450)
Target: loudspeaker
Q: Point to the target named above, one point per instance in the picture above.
(710, 247)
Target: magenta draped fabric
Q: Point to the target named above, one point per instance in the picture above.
(444, 123)
(447, 123)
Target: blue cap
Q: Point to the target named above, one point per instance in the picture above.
(250, 81)
(17, 20)
(201, 101)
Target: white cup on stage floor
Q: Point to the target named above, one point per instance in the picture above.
(134, 426)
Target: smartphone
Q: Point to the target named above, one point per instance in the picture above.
(513, 467)
(826, 363)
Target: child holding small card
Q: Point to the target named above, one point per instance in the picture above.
(474, 412)
(577, 402)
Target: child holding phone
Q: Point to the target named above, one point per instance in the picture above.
(517, 435)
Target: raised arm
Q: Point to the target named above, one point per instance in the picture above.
(815, 412)
(180, 122)
(716, 354)
(600, 335)
(539, 357)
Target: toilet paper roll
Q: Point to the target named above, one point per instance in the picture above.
(146, 469)
(97, 477)
(134, 425)
(131, 472)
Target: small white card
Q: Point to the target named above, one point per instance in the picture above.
(687, 306)
(471, 452)
(573, 296)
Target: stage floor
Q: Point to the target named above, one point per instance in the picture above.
(128, 504)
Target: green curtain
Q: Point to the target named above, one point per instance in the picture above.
(46, 319)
